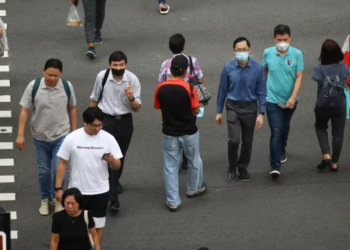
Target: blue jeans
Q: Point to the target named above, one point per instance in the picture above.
(279, 122)
(47, 161)
(161, 1)
(172, 146)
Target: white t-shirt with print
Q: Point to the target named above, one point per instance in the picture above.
(89, 173)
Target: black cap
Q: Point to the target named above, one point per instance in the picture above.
(179, 62)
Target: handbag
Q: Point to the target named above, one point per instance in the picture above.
(202, 92)
(347, 60)
(86, 218)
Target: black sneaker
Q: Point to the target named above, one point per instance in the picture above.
(275, 174)
(91, 52)
(231, 175)
(184, 163)
(324, 164)
(284, 157)
(243, 174)
(171, 208)
(98, 38)
(114, 206)
(199, 192)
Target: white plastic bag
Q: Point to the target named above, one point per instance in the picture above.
(4, 37)
(73, 17)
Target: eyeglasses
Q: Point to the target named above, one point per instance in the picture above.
(96, 126)
(242, 50)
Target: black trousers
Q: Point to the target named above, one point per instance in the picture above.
(241, 120)
(338, 120)
(121, 127)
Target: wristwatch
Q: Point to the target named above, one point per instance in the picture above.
(133, 98)
(261, 113)
(56, 189)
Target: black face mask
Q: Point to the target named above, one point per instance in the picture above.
(118, 72)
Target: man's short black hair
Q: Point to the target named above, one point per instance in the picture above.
(92, 113)
(330, 53)
(177, 43)
(281, 29)
(73, 192)
(240, 39)
(117, 56)
(54, 63)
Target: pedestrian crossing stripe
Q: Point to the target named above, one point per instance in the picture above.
(7, 196)
(2, 12)
(5, 130)
(7, 178)
(6, 145)
(14, 234)
(7, 162)
(5, 114)
(4, 68)
(13, 215)
(5, 98)
(2, 1)
(5, 83)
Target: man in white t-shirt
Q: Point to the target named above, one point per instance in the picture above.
(90, 151)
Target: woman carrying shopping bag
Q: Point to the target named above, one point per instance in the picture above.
(73, 228)
(331, 76)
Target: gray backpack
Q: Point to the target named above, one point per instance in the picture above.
(331, 94)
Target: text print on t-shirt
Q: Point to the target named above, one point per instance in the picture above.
(82, 147)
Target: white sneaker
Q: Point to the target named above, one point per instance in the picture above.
(44, 208)
(58, 205)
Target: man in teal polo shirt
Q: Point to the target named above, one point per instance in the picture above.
(283, 66)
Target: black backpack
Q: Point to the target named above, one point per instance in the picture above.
(331, 94)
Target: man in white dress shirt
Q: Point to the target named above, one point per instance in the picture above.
(117, 93)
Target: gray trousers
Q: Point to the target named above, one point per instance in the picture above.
(94, 17)
(241, 120)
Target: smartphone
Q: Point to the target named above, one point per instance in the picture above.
(282, 105)
(105, 155)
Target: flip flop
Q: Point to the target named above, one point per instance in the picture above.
(164, 11)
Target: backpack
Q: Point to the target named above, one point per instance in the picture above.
(37, 84)
(331, 94)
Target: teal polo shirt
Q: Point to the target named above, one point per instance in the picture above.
(282, 73)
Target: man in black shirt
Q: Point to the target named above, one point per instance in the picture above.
(179, 104)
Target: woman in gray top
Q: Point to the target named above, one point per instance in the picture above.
(331, 75)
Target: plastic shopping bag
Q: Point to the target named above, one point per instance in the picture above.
(73, 17)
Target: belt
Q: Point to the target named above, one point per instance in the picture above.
(118, 117)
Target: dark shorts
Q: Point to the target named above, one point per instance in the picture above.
(97, 204)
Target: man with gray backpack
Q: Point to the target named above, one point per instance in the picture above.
(54, 116)
(331, 75)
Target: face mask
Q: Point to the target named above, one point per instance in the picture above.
(282, 46)
(118, 72)
(242, 56)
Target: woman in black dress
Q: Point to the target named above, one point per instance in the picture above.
(70, 226)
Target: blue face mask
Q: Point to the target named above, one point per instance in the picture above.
(242, 56)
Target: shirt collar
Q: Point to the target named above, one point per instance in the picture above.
(236, 64)
(288, 51)
(124, 78)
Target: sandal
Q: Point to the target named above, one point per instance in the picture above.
(164, 11)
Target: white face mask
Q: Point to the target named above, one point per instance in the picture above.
(282, 46)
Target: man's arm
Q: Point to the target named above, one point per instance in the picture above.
(95, 239)
(114, 163)
(297, 86)
(135, 105)
(55, 239)
(266, 71)
(93, 104)
(60, 172)
(72, 110)
(195, 111)
(20, 141)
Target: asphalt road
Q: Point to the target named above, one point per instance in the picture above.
(304, 209)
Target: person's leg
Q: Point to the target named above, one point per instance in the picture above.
(171, 160)
(321, 126)
(248, 120)
(288, 113)
(89, 25)
(275, 118)
(100, 16)
(338, 127)
(43, 160)
(190, 145)
(99, 204)
(234, 136)
(55, 148)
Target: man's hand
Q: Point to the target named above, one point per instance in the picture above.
(291, 103)
(20, 142)
(109, 159)
(218, 119)
(128, 92)
(59, 194)
(259, 121)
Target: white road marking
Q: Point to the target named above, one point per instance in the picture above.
(6, 145)
(4, 68)
(5, 98)
(14, 234)
(7, 196)
(13, 215)
(2, 1)
(5, 83)
(2, 12)
(6, 54)
(7, 162)
(7, 178)
(5, 25)
(5, 114)
(5, 130)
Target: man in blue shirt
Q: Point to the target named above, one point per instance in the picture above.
(283, 66)
(242, 83)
